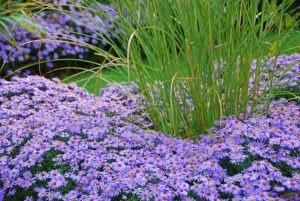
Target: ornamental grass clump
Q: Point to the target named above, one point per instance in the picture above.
(285, 70)
(57, 142)
(200, 48)
(192, 59)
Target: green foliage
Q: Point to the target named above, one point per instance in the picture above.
(14, 13)
(290, 17)
(93, 81)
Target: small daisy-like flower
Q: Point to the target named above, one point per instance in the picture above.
(42, 175)
(119, 166)
(53, 184)
(28, 198)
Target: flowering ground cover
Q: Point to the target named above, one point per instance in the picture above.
(58, 142)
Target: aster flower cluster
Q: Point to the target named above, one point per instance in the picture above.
(57, 142)
(275, 68)
(63, 34)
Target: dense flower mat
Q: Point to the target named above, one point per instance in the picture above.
(57, 142)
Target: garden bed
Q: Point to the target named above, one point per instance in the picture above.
(58, 142)
(208, 108)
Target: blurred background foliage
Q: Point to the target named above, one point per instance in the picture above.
(35, 37)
